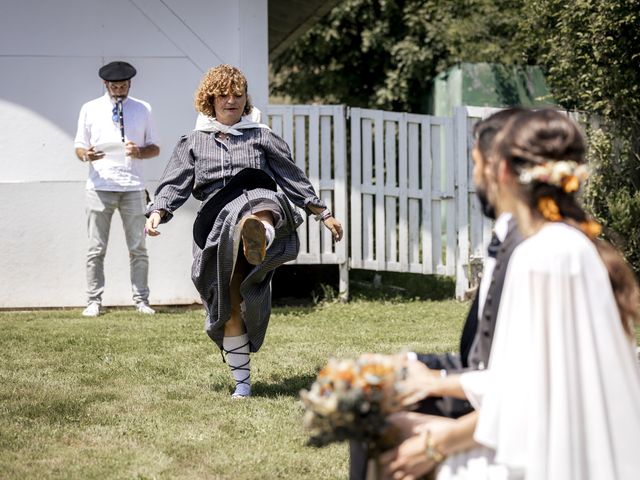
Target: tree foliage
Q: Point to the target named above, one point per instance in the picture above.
(384, 54)
(379, 53)
(590, 51)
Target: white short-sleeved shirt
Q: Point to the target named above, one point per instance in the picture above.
(96, 126)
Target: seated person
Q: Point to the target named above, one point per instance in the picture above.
(559, 398)
(477, 335)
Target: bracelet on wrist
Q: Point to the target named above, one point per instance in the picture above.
(326, 213)
(431, 450)
(159, 212)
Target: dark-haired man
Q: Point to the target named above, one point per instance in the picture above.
(477, 334)
(115, 134)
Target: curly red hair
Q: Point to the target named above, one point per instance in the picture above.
(221, 80)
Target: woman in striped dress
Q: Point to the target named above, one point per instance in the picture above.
(252, 228)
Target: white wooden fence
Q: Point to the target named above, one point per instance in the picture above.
(317, 137)
(411, 202)
(473, 228)
(402, 192)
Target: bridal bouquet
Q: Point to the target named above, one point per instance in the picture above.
(351, 399)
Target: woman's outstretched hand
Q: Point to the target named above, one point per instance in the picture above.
(151, 225)
(335, 227)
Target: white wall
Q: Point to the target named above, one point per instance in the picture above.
(50, 53)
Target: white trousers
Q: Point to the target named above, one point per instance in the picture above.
(100, 207)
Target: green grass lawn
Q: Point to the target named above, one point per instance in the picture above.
(131, 396)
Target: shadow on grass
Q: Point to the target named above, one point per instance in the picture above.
(288, 387)
(294, 307)
(370, 285)
(272, 388)
(159, 309)
(305, 285)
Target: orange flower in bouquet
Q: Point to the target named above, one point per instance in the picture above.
(351, 400)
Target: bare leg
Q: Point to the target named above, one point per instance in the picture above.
(236, 341)
(265, 216)
(235, 326)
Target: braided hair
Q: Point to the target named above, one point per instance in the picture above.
(545, 150)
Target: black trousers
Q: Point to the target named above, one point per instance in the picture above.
(442, 406)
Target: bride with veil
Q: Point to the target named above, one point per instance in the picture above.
(560, 399)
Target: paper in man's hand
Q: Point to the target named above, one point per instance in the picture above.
(114, 152)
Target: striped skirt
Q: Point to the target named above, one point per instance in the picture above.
(213, 265)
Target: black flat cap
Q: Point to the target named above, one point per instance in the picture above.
(117, 72)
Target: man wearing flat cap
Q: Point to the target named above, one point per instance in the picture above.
(115, 136)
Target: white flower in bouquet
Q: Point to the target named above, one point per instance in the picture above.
(351, 399)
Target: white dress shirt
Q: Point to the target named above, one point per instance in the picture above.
(97, 127)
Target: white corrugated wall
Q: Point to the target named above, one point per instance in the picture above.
(50, 53)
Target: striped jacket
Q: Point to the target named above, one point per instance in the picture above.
(200, 165)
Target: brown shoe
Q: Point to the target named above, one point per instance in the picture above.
(254, 240)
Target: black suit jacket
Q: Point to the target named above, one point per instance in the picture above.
(481, 347)
(477, 334)
(469, 331)
(475, 346)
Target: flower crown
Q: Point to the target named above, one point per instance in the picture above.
(565, 174)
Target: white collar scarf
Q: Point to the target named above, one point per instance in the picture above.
(210, 124)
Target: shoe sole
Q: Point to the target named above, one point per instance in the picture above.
(254, 240)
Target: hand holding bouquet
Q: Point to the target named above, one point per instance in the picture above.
(351, 400)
